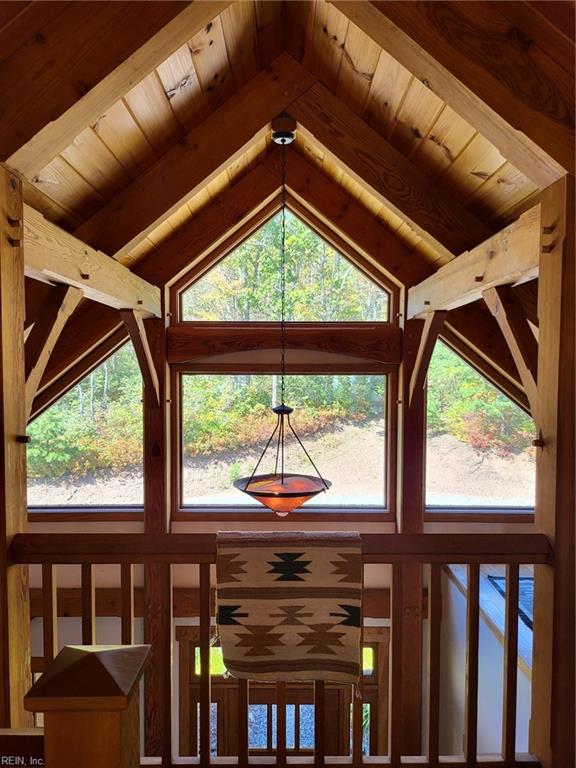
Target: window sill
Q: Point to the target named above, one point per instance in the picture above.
(252, 514)
(521, 515)
(85, 514)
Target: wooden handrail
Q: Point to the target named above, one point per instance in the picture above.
(117, 548)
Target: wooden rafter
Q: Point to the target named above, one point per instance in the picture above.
(530, 120)
(54, 256)
(224, 217)
(134, 324)
(190, 165)
(59, 306)
(513, 323)
(76, 64)
(509, 257)
(391, 177)
(432, 326)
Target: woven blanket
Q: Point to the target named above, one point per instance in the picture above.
(290, 605)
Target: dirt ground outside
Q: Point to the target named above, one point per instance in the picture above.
(351, 456)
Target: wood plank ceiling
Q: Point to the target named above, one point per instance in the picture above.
(206, 71)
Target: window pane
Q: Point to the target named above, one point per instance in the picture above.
(216, 661)
(213, 727)
(479, 442)
(322, 284)
(258, 726)
(86, 449)
(368, 660)
(290, 726)
(226, 421)
(306, 726)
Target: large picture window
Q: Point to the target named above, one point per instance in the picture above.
(226, 420)
(479, 442)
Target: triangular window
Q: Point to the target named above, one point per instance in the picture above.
(87, 447)
(322, 284)
(479, 441)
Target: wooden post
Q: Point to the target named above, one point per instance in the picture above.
(89, 697)
(14, 600)
(410, 517)
(552, 722)
(157, 576)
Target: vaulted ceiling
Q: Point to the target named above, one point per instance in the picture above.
(144, 129)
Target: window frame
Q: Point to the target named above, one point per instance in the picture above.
(436, 513)
(229, 513)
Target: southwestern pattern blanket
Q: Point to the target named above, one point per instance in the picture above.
(290, 605)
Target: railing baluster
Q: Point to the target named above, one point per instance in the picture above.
(49, 612)
(243, 703)
(510, 666)
(127, 596)
(357, 731)
(88, 605)
(281, 724)
(434, 618)
(205, 619)
(395, 700)
(319, 717)
(472, 627)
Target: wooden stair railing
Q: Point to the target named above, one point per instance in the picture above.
(199, 550)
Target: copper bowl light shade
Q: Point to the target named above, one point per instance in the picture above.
(282, 494)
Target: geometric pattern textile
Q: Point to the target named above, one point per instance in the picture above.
(289, 605)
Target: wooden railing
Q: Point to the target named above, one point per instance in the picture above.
(431, 550)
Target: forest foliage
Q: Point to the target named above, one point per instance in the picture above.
(97, 426)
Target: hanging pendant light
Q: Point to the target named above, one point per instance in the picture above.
(282, 491)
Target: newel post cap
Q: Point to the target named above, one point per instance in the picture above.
(89, 677)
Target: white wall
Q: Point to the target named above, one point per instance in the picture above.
(490, 682)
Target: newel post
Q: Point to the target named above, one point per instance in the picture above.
(89, 696)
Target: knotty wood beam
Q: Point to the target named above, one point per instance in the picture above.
(509, 257)
(14, 606)
(469, 54)
(134, 324)
(195, 342)
(470, 330)
(188, 166)
(376, 165)
(73, 67)
(54, 256)
(157, 576)
(513, 323)
(432, 326)
(226, 216)
(552, 719)
(59, 306)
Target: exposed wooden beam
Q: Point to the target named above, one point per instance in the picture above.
(134, 324)
(469, 54)
(509, 257)
(59, 306)
(74, 66)
(54, 256)
(226, 216)
(511, 318)
(14, 607)
(552, 718)
(470, 330)
(433, 323)
(391, 177)
(197, 342)
(188, 166)
(340, 212)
